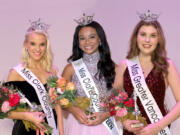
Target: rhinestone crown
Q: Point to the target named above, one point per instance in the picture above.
(38, 26)
(84, 20)
(148, 16)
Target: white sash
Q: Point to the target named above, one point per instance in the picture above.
(143, 92)
(42, 94)
(91, 91)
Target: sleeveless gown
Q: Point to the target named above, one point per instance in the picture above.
(30, 93)
(156, 85)
(73, 127)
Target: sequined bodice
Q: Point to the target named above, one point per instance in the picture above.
(156, 85)
(91, 63)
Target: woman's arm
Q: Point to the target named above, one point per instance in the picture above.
(78, 113)
(34, 117)
(58, 109)
(59, 119)
(118, 84)
(99, 118)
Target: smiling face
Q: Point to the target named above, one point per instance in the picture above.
(88, 40)
(36, 45)
(147, 39)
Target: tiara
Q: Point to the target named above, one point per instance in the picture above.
(38, 26)
(148, 16)
(84, 20)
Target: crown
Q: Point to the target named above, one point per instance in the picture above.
(148, 16)
(38, 26)
(85, 20)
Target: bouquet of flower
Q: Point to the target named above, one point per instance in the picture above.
(13, 100)
(61, 92)
(121, 106)
(9, 100)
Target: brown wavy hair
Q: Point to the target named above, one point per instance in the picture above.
(159, 56)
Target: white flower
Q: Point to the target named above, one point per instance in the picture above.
(117, 108)
(59, 90)
(23, 100)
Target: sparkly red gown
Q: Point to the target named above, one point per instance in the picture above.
(156, 85)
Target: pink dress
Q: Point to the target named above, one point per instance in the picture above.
(73, 127)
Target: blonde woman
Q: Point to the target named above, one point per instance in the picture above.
(30, 77)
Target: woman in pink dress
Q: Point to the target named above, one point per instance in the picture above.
(90, 44)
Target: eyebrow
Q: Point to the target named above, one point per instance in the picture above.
(145, 32)
(89, 35)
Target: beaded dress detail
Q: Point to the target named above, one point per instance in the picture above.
(73, 126)
(156, 85)
(91, 62)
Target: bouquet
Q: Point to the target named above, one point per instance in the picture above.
(121, 106)
(10, 100)
(63, 93)
(60, 92)
(13, 100)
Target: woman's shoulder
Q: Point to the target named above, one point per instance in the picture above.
(171, 66)
(68, 71)
(69, 68)
(14, 76)
(170, 62)
(122, 65)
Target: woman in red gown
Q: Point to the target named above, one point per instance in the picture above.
(148, 44)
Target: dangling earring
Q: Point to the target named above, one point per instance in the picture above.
(100, 44)
(26, 53)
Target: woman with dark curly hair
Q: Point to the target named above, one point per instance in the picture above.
(93, 72)
(145, 74)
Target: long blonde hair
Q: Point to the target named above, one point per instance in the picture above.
(47, 59)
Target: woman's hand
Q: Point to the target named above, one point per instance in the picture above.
(36, 118)
(79, 114)
(151, 129)
(98, 118)
(127, 125)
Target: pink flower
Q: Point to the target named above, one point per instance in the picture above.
(14, 99)
(51, 92)
(4, 89)
(121, 112)
(5, 107)
(116, 98)
(102, 104)
(129, 103)
(123, 95)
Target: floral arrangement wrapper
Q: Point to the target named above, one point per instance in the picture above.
(60, 92)
(122, 107)
(13, 100)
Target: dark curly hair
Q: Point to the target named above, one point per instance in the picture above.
(106, 66)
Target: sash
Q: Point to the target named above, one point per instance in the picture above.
(152, 110)
(92, 92)
(41, 93)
